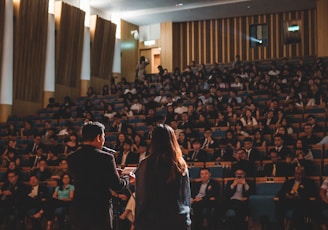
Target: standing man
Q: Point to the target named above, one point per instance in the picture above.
(94, 174)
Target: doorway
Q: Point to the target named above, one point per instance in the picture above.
(153, 56)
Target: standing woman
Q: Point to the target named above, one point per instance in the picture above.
(141, 68)
(162, 185)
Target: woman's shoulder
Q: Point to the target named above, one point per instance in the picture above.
(71, 187)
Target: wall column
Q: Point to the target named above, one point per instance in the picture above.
(322, 19)
(85, 73)
(6, 94)
(49, 80)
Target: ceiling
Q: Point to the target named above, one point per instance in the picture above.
(146, 12)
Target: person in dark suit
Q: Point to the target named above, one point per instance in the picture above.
(275, 168)
(34, 161)
(117, 125)
(32, 148)
(279, 146)
(94, 173)
(236, 196)
(162, 185)
(11, 194)
(197, 154)
(208, 141)
(241, 162)
(252, 153)
(224, 152)
(204, 199)
(126, 156)
(295, 195)
(36, 201)
(185, 123)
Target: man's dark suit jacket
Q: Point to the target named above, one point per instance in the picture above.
(43, 192)
(31, 145)
(212, 192)
(307, 189)
(281, 169)
(227, 154)
(31, 160)
(202, 156)
(132, 158)
(94, 174)
(184, 125)
(254, 155)
(283, 153)
(17, 193)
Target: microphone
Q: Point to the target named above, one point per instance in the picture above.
(109, 150)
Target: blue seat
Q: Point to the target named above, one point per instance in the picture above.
(194, 172)
(262, 204)
(216, 171)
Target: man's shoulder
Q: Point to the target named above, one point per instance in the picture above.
(87, 150)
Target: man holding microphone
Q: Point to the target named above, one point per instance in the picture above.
(94, 174)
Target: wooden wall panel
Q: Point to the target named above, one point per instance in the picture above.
(69, 46)
(30, 45)
(166, 45)
(102, 52)
(220, 40)
(129, 51)
(2, 24)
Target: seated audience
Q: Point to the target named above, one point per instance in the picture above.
(126, 156)
(62, 197)
(275, 167)
(11, 194)
(197, 154)
(295, 195)
(35, 204)
(204, 200)
(235, 203)
(42, 171)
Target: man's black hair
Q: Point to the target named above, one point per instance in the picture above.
(91, 130)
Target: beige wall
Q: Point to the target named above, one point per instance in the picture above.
(322, 22)
(5, 111)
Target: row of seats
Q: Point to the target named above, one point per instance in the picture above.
(223, 169)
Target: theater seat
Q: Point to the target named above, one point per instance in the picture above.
(262, 204)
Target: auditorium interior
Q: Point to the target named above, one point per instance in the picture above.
(225, 75)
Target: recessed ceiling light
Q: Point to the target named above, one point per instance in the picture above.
(178, 4)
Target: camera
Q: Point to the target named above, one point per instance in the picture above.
(239, 177)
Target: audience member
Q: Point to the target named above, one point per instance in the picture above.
(197, 154)
(61, 201)
(35, 204)
(126, 156)
(11, 202)
(204, 200)
(235, 202)
(275, 167)
(252, 153)
(295, 195)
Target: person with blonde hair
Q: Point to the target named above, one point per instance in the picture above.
(162, 185)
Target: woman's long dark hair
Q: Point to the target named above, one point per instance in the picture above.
(60, 182)
(165, 154)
